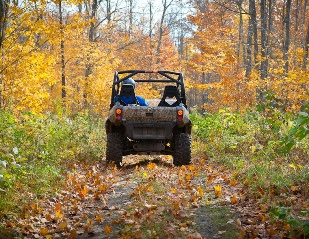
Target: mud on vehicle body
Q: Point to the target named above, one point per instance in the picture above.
(163, 130)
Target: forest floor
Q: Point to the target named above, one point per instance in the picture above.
(147, 198)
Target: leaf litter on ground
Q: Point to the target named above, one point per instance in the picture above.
(145, 199)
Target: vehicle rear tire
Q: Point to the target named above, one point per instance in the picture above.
(114, 146)
(182, 154)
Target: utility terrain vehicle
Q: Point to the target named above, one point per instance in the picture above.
(162, 129)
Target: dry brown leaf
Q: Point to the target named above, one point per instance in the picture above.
(73, 234)
(233, 182)
(63, 226)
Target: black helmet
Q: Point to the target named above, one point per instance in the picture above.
(129, 81)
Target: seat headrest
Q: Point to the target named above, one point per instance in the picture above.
(171, 91)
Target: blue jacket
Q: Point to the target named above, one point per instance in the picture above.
(129, 100)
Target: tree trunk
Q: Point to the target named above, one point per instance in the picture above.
(255, 32)
(249, 40)
(3, 20)
(264, 62)
(270, 27)
(92, 23)
(92, 35)
(63, 80)
(165, 7)
(287, 36)
(296, 15)
(150, 19)
(241, 42)
(304, 22)
(108, 11)
(306, 48)
(130, 16)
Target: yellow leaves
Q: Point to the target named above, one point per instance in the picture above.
(102, 188)
(200, 191)
(44, 231)
(151, 166)
(218, 190)
(58, 215)
(99, 218)
(107, 230)
(294, 188)
(145, 175)
(292, 166)
(234, 199)
(83, 192)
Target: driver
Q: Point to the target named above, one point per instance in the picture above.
(127, 100)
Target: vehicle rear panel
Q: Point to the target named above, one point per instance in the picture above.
(149, 114)
(149, 122)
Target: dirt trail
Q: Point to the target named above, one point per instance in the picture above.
(144, 199)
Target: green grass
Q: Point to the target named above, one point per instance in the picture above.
(37, 150)
(250, 145)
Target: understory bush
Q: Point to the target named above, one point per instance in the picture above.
(267, 149)
(260, 145)
(36, 151)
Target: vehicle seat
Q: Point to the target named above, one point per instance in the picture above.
(170, 91)
(127, 95)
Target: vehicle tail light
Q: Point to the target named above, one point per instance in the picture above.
(179, 115)
(118, 114)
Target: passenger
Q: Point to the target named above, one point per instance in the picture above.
(128, 99)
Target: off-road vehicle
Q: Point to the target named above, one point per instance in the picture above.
(162, 129)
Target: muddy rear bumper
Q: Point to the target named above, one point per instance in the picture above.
(154, 131)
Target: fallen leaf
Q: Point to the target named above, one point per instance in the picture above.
(294, 188)
(107, 230)
(200, 191)
(234, 199)
(73, 234)
(43, 231)
(58, 215)
(63, 225)
(99, 218)
(218, 191)
(233, 182)
(83, 192)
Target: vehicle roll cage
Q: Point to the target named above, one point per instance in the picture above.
(179, 81)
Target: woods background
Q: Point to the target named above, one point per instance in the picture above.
(231, 52)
